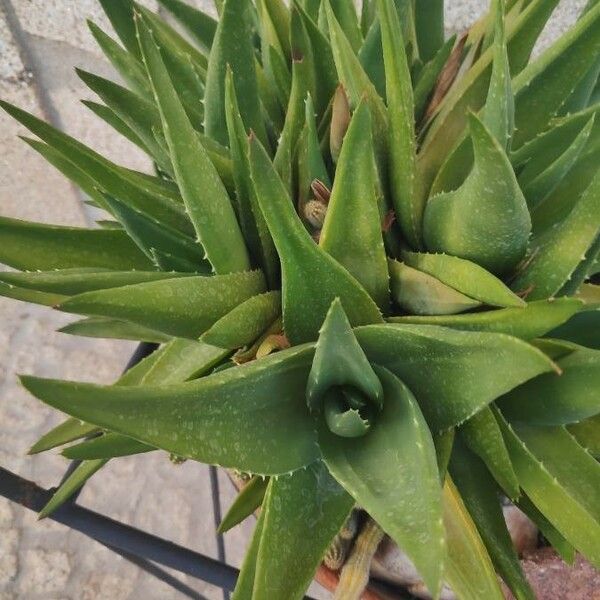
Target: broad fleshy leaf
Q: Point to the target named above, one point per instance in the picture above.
(232, 46)
(203, 192)
(464, 276)
(311, 278)
(408, 505)
(558, 399)
(562, 480)
(453, 374)
(35, 246)
(73, 483)
(261, 404)
(469, 569)
(482, 434)
(480, 495)
(534, 320)
(106, 446)
(402, 143)
(245, 322)
(418, 293)
(554, 258)
(303, 513)
(341, 367)
(183, 306)
(486, 220)
(352, 229)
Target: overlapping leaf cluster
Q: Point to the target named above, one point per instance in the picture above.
(368, 257)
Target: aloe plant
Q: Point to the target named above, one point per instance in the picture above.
(368, 255)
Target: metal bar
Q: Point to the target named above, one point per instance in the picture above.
(121, 536)
(217, 516)
(159, 573)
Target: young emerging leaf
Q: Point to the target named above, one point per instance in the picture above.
(342, 384)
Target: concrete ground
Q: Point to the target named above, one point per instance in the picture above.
(40, 43)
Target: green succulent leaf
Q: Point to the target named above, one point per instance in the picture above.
(453, 374)
(311, 278)
(558, 399)
(203, 192)
(252, 222)
(429, 24)
(408, 505)
(198, 24)
(341, 365)
(106, 446)
(538, 188)
(232, 46)
(486, 220)
(355, 81)
(303, 513)
(126, 63)
(74, 482)
(469, 569)
(69, 282)
(370, 57)
(102, 327)
(535, 320)
(69, 430)
(294, 120)
(245, 581)
(324, 65)
(499, 111)
(587, 434)
(581, 329)
(108, 116)
(555, 256)
(120, 15)
(132, 188)
(138, 113)
(182, 306)
(418, 293)
(556, 539)
(33, 246)
(465, 277)
(246, 502)
(482, 434)
(480, 495)
(402, 143)
(471, 91)
(245, 323)
(261, 405)
(424, 85)
(352, 228)
(153, 237)
(25, 295)
(543, 86)
(562, 480)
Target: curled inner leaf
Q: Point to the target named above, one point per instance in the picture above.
(342, 383)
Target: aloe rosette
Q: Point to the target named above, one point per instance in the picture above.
(368, 256)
